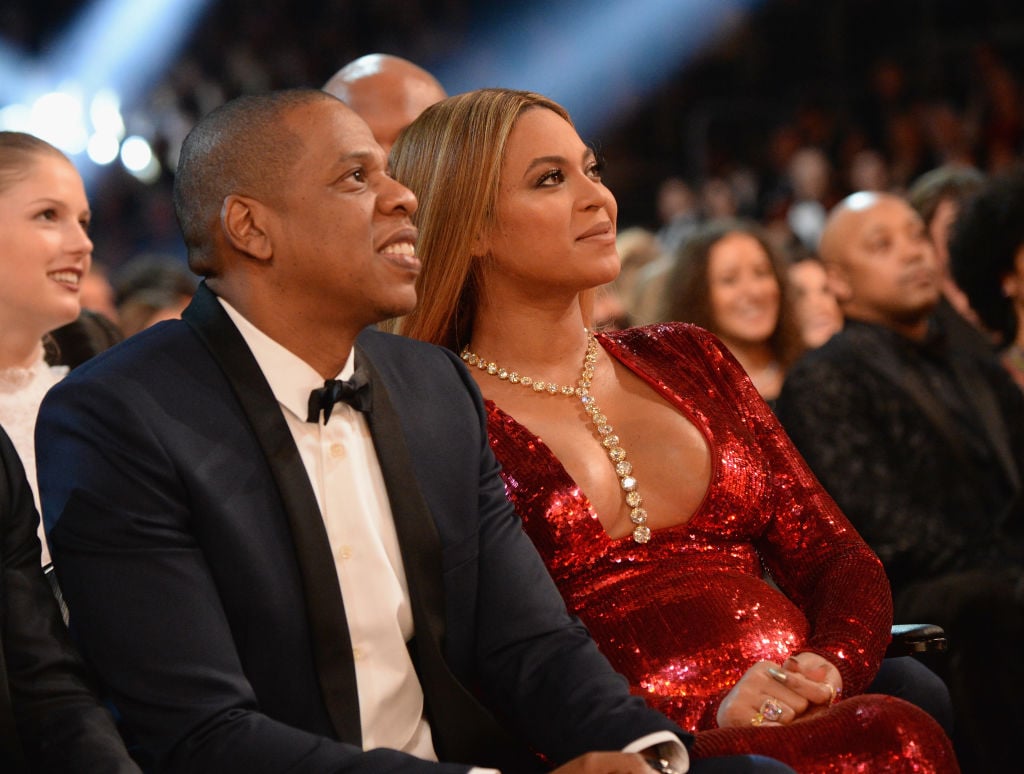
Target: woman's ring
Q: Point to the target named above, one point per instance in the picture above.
(771, 710)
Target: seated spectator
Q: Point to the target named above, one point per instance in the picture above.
(81, 339)
(814, 304)
(919, 443)
(987, 254)
(386, 91)
(938, 196)
(671, 582)
(97, 292)
(151, 288)
(729, 280)
(45, 251)
(50, 719)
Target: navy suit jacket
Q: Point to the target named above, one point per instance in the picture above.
(202, 587)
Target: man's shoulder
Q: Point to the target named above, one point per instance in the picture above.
(150, 356)
(391, 353)
(847, 350)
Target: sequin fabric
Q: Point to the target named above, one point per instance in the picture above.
(684, 616)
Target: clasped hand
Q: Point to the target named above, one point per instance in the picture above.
(773, 695)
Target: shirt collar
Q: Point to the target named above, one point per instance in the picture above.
(290, 377)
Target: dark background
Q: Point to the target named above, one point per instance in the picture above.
(919, 82)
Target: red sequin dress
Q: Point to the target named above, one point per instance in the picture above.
(684, 616)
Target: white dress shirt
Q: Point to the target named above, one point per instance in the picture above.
(342, 465)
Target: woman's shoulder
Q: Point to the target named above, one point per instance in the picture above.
(677, 341)
(665, 334)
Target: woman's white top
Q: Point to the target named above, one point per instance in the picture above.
(21, 392)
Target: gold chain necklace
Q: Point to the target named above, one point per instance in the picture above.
(610, 441)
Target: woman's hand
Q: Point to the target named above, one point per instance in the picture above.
(820, 672)
(772, 695)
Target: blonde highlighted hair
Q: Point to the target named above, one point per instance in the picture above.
(451, 158)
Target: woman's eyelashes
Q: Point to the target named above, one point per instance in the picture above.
(551, 177)
(556, 175)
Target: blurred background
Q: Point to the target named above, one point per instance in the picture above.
(715, 105)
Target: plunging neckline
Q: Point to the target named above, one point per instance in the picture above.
(559, 468)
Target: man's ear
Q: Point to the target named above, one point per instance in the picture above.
(838, 282)
(243, 221)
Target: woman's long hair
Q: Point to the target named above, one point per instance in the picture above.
(451, 158)
(688, 291)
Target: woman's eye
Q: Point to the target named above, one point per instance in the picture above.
(48, 214)
(594, 170)
(551, 177)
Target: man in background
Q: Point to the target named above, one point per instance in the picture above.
(387, 92)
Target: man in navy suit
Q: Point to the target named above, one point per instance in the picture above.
(281, 533)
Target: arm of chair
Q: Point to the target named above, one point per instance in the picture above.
(908, 639)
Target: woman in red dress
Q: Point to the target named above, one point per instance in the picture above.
(672, 511)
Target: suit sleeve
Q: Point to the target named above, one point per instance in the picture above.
(61, 725)
(539, 665)
(145, 606)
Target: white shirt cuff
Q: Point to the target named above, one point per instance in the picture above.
(665, 745)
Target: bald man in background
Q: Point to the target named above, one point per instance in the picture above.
(387, 92)
(919, 441)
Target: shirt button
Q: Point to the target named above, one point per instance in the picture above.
(346, 552)
(337, 450)
(357, 654)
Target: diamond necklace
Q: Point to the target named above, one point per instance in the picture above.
(610, 441)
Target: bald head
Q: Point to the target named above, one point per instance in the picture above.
(845, 218)
(881, 264)
(387, 92)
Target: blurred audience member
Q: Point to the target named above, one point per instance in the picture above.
(639, 249)
(868, 171)
(987, 256)
(81, 339)
(729, 280)
(919, 443)
(151, 288)
(45, 251)
(387, 92)
(97, 294)
(938, 196)
(814, 304)
(810, 175)
(677, 211)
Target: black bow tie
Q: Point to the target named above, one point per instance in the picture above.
(354, 391)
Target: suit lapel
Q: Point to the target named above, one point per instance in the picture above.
(325, 609)
(463, 730)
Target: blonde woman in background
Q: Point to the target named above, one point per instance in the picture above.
(45, 252)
